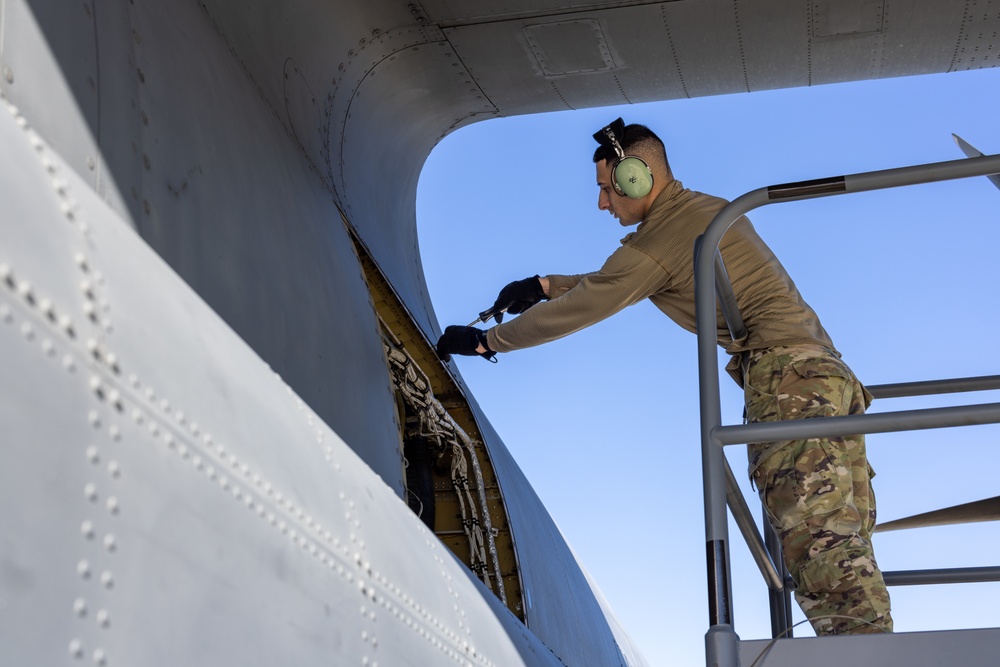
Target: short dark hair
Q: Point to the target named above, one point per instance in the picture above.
(634, 137)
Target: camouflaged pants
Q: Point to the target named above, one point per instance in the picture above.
(817, 492)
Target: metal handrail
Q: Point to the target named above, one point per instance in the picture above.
(721, 640)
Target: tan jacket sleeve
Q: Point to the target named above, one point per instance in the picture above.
(627, 277)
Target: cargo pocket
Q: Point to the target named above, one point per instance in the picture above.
(815, 388)
(829, 571)
(807, 491)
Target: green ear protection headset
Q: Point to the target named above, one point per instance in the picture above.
(630, 175)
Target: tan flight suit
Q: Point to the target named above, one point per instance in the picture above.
(817, 492)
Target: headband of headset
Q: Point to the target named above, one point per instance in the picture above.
(630, 175)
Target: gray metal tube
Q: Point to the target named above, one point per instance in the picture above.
(727, 300)
(950, 386)
(721, 640)
(780, 601)
(960, 575)
(748, 527)
(884, 422)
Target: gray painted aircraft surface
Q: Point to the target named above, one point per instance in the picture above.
(226, 437)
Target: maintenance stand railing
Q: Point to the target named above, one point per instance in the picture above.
(721, 641)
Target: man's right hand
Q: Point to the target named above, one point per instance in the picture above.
(519, 296)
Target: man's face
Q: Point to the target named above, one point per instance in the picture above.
(627, 211)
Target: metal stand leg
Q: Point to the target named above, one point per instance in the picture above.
(781, 601)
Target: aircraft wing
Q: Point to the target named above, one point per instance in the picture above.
(971, 151)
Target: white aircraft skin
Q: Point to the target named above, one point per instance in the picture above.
(202, 455)
(170, 500)
(175, 501)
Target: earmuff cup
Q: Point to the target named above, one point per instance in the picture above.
(632, 177)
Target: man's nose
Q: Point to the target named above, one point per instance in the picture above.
(603, 201)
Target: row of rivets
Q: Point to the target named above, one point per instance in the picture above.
(67, 205)
(368, 591)
(88, 528)
(24, 290)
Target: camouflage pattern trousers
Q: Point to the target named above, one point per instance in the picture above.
(817, 492)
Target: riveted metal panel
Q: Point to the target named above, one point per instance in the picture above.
(917, 45)
(377, 181)
(230, 203)
(452, 12)
(774, 41)
(174, 502)
(979, 40)
(512, 61)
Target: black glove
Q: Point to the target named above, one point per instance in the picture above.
(519, 296)
(464, 341)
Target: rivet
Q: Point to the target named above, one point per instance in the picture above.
(93, 455)
(115, 433)
(90, 492)
(107, 580)
(100, 658)
(94, 419)
(87, 530)
(67, 325)
(49, 348)
(113, 508)
(114, 469)
(68, 364)
(103, 618)
(80, 607)
(83, 569)
(6, 315)
(28, 331)
(76, 649)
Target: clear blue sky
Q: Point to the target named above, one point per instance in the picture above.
(604, 423)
